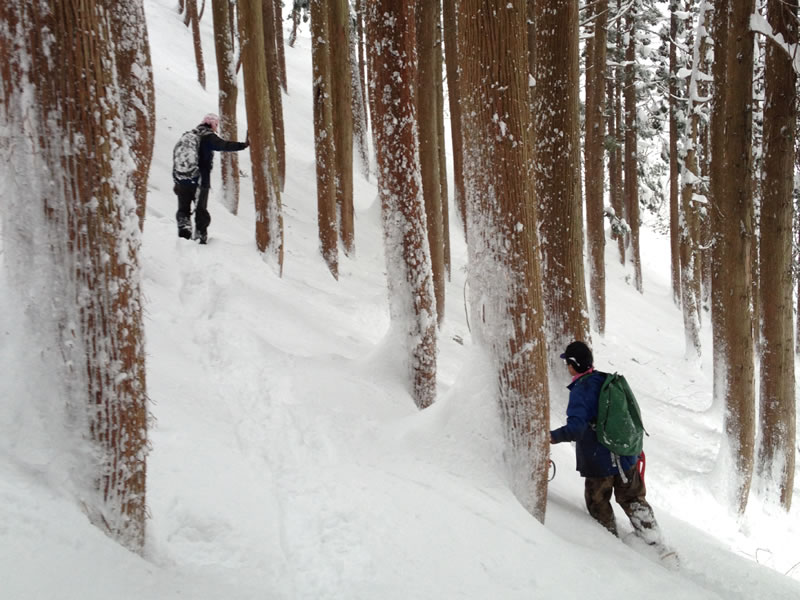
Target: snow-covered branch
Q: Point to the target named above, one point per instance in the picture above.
(759, 24)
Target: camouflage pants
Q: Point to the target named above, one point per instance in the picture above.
(631, 498)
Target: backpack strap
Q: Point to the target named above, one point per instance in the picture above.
(618, 463)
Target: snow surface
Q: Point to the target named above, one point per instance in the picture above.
(288, 459)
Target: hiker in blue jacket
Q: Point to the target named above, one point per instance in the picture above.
(604, 472)
(186, 189)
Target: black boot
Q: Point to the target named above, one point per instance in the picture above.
(184, 228)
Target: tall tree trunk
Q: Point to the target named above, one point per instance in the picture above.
(454, 103)
(428, 137)
(274, 84)
(505, 281)
(631, 152)
(615, 161)
(135, 74)
(554, 102)
(194, 22)
(441, 142)
(228, 96)
(295, 24)
(674, 206)
(342, 101)
(323, 136)
(615, 167)
(278, 7)
(716, 188)
(266, 190)
(690, 176)
(391, 42)
(359, 98)
(57, 63)
(594, 153)
(734, 227)
(777, 411)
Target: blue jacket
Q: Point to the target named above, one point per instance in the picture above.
(593, 459)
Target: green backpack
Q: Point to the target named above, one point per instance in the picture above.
(619, 421)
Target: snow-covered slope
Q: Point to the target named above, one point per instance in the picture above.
(288, 459)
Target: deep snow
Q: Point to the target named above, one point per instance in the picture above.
(289, 460)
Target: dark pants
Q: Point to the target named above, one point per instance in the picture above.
(630, 496)
(186, 193)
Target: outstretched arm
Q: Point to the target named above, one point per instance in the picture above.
(217, 143)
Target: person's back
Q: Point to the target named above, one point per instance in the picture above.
(592, 458)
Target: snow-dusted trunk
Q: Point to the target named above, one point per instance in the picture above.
(323, 137)
(428, 142)
(777, 410)
(504, 272)
(555, 109)
(391, 41)
(441, 143)
(716, 184)
(454, 103)
(342, 107)
(228, 95)
(135, 72)
(278, 15)
(594, 151)
(267, 198)
(674, 206)
(733, 212)
(631, 151)
(193, 20)
(71, 211)
(689, 179)
(616, 129)
(359, 95)
(274, 84)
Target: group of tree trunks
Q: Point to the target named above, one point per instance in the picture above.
(513, 88)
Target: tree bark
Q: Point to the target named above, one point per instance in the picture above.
(194, 22)
(342, 105)
(428, 138)
(274, 84)
(554, 103)
(631, 152)
(278, 7)
(391, 42)
(777, 411)
(504, 275)
(228, 96)
(266, 191)
(323, 136)
(454, 103)
(137, 92)
(594, 153)
(441, 142)
(674, 206)
(734, 228)
(359, 98)
(57, 62)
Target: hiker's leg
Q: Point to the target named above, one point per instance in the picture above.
(201, 216)
(185, 193)
(631, 497)
(597, 493)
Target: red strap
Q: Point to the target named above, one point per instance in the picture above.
(642, 464)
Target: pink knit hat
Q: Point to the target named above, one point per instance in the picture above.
(211, 120)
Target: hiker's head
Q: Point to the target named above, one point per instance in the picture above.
(578, 356)
(211, 120)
